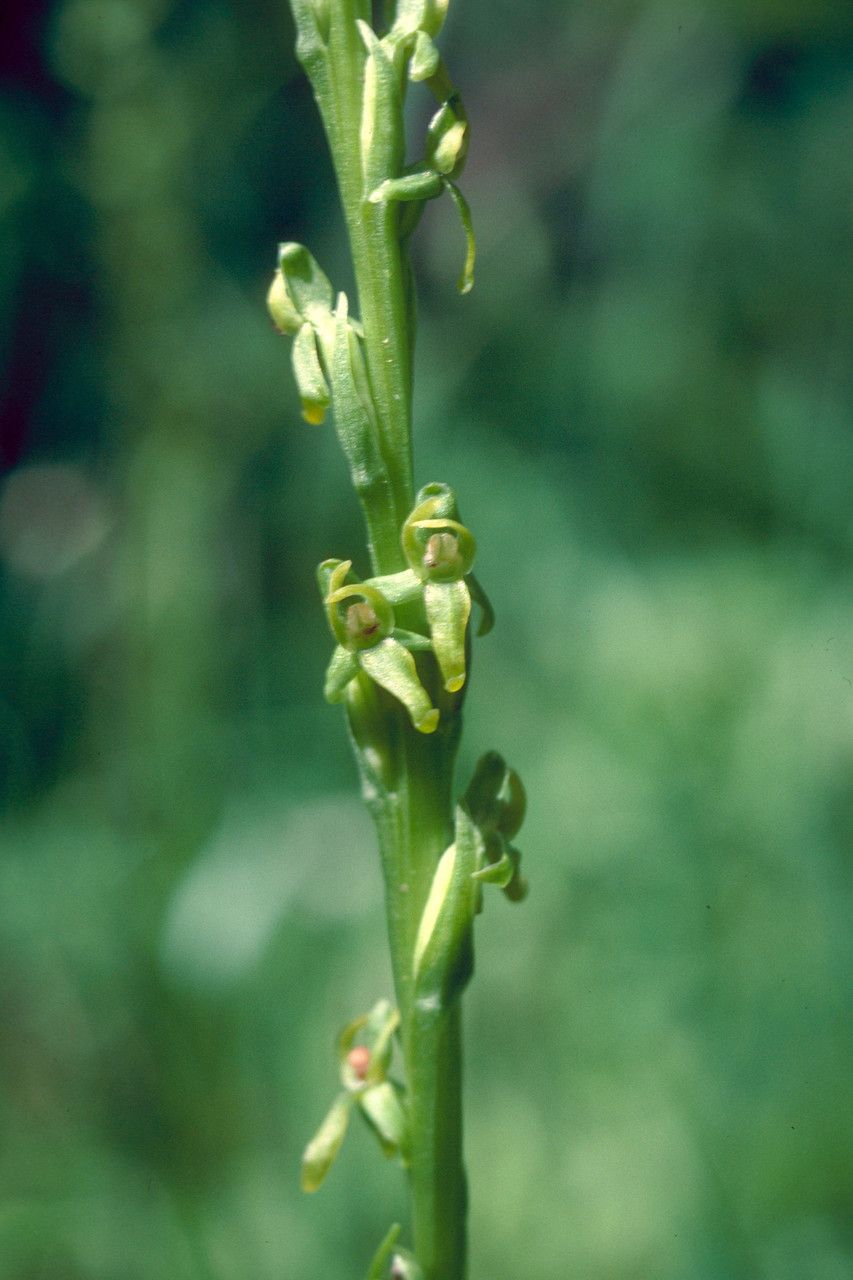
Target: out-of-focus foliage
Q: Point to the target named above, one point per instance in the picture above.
(645, 406)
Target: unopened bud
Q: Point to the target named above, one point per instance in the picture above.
(284, 315)
(359, 1060)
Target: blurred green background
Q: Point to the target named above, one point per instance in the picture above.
(645, 405)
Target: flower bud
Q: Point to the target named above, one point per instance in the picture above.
(420, 15)
(310, 378)
(284, 315)
(447, 139)
(359, 1060)
(306, 283)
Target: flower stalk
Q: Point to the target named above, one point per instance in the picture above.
(402, 636)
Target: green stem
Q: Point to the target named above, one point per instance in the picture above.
(411, 801)
(413, 822)
(380, 271)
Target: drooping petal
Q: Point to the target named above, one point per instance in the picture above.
(383, 1109)
(393, 667)
(448, 608)
(322, 1150)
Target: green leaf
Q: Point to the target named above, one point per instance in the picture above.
(383, 1109)
(393, 667)
(381, 133)
(322, 1150)
(448, 608)
(383, 1253)
(310, 379)
(442, 947)
(341, 670)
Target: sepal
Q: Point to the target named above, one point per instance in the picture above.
(306, 284)
(342, 668)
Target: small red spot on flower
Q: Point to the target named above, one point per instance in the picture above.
(359, 1059)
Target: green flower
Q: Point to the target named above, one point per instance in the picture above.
(440, 552)
(362, 621)
(364, 1056)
